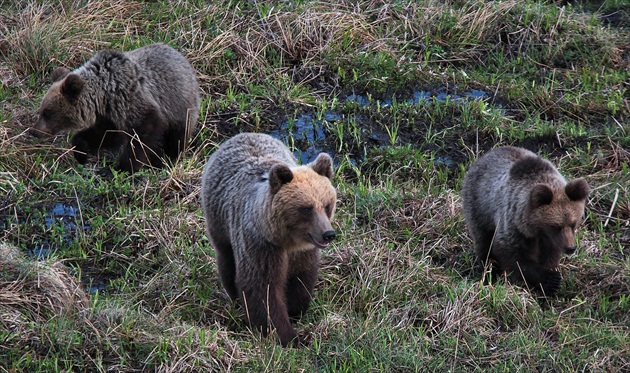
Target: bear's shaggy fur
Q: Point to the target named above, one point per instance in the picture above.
(522, 214)
(145, 101)
(267, 218)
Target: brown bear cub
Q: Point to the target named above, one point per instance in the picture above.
(522, 215)
(267, 218)
(143, 103)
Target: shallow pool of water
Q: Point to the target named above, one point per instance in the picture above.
(68, 218)
(308, 134)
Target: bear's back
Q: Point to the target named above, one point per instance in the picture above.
(512, 168)
(250, 153)
(155, 76)
(488, 187)
(488, 175)
(238, 168)
(169, 78)
(234, 187)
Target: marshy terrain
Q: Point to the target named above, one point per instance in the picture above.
(115, 273)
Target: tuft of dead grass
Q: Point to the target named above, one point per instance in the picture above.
(37, 291)
(300, 40)
(38, 33)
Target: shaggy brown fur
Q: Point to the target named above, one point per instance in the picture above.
(145, 101)
(267, 218)
(522, 214)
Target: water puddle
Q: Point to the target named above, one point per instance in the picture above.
(306, 134)
(309, 134)
(94, 284)
(359, 99)
(67, 219)
(445, 160)
(440, 95)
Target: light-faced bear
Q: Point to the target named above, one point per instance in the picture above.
(267, 218)
(142, 104)
(522, 215)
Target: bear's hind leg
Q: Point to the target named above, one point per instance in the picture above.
(145, 144)
(175, 140)
(483, 243)
(227, 269)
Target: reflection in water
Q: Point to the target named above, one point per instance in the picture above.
(68, 219)
(307, 133)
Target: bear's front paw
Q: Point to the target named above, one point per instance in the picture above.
(302, 339)
(551, 283)
(80, 156)
(81, 149)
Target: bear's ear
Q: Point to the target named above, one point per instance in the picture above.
(279, 175)
(72, 86)
(577, 189)
(323, 165)
(540, 195)
(59, 73)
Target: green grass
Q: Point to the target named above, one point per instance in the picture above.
(398, 290)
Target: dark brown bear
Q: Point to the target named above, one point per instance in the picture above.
(143, 103)
(267, 218)
(522, 215)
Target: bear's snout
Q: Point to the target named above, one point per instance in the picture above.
(322, 241)
(34, 132)
(38, 129)
(570, 250)
(328, 236)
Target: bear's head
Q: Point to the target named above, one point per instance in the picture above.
(554, 215)
(303, 204)
(60, 110)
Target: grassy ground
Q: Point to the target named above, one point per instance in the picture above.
(116, 274)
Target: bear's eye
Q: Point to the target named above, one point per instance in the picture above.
(306, 210)
(328, 209)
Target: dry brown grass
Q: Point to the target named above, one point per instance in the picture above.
(300, 40)
(37, 291)
(39, 32)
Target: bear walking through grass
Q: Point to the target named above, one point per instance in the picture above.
(522, 214)
(267, 218)
(142, 104)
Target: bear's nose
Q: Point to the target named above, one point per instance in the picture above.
(34, 132)
(328, 236)
(570, 250)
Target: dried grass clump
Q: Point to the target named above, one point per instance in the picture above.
(8, 180)
(37, 34)
(31, 36)
(37, 290)
(211, 352)
(300, 39)
(306, 37)
(462, 315)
